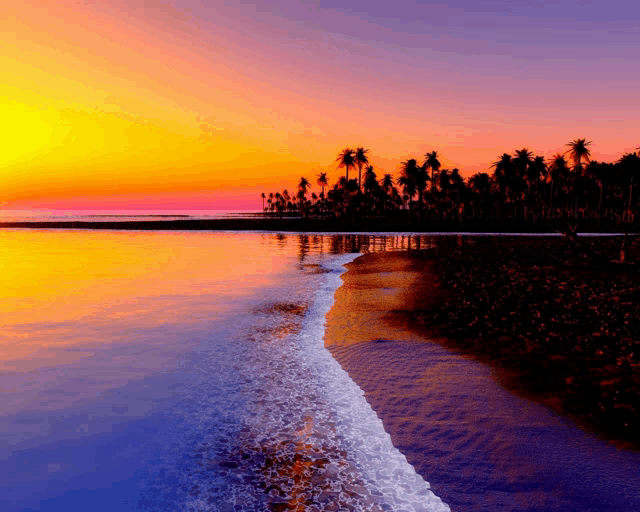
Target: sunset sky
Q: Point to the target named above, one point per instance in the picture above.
(205, 104)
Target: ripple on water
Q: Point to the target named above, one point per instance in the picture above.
(306, 439)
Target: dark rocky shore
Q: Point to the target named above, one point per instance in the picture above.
(561, 328)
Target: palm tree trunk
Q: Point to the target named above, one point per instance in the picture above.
(600, 202)
(630, 196)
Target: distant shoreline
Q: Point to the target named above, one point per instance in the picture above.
(373, 225)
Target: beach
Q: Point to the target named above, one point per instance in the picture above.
(472, 425)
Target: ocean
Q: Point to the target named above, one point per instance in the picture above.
(184, 371)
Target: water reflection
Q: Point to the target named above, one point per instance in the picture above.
(360, 243)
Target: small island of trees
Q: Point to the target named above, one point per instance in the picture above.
(520, 187)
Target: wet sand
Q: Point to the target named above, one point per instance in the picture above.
(479, 445)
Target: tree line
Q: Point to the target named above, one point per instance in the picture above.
(520, 186)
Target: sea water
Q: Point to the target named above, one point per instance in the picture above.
(183, 371)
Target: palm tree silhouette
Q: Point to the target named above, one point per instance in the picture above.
(480, 186)
(277, 204)
(578, 149)
(408, 175)
(630, 166)
(522, 162)
(360, 160)
(537, 169)
(302, 193)
(503, 175)
(304, 185)
(322, 181)
(386, 184)
(346, 159)
(558, 171)
(371, 187)
(602, 190)
(422, 177)
(456, 190)
(432, 163)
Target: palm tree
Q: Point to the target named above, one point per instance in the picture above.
(386, 184)
(578, 149)
(630, 166)
(597, 173)
(432, 163)
(443, 191)
(456, 190)
(536, 170)
(346, 159)
(322, 181)
(370, 179)
(263, 195)
(558, 172)
(371, 187)
(522, 162)
(408, 174)
(286, 199)
(360, 160)
(422, 177)
(278, 203)
(304, 185)
(503, 175)
(480, 186)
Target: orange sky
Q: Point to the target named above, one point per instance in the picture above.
(206, 104)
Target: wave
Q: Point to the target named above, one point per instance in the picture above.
(294, 432)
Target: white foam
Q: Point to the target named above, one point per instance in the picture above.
(282, 422)
(382, 464)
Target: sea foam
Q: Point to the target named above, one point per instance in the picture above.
(306, 438)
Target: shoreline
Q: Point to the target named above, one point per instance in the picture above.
(317, 225)
(534, 350)
(463, 420)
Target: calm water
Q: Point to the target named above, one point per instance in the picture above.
(183, 371)
(118, 215)
(187, 371)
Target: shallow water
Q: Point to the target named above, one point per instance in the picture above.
(482, 447)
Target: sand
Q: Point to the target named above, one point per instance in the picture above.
(478, 444)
